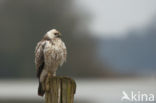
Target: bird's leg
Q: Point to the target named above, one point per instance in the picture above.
(54, 74)
(49, 75)
(47, 79)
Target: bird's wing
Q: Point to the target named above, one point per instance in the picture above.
(39, 57)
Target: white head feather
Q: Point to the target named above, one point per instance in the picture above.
(52, 33)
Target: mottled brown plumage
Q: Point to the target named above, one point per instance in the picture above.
(50, 53)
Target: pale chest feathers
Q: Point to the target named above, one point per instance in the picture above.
(54, 53)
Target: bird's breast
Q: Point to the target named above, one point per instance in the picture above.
(53, 54)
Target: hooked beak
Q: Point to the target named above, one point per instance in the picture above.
(60, 35)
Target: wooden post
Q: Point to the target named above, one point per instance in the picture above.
(59, 90)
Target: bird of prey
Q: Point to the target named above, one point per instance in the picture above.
(50, 53)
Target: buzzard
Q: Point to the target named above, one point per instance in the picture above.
(50, 53)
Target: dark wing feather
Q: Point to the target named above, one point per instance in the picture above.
(39, 57)
(39, 71)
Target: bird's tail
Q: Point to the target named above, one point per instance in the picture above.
(40, 89)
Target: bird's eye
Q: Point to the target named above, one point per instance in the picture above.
(55, 33)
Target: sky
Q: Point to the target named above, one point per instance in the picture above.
(116, 17)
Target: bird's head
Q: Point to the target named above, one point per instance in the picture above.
(53, 34)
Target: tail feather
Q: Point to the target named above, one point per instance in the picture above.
(40, 90)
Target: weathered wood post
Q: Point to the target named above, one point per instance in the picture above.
(59, 90)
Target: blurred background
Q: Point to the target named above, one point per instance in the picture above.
(111, 47)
